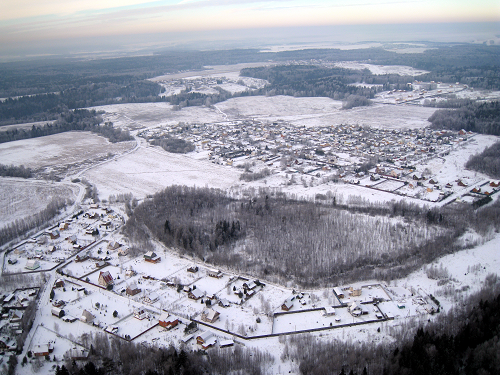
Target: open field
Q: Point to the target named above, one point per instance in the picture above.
(59, 151)
(20, 198)
(149, 170)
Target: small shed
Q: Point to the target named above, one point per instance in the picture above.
(132, 290)
(87, 317)
(57, 311)
(196, 294)
(151, 257)
(32, 264)
(226, 343)
(152, 298)
(215, 273)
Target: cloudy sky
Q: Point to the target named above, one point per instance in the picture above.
(35, 22)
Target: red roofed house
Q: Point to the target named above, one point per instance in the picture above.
(105, 279)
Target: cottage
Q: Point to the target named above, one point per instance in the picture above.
(210, 315)
(224, 303)
(206, 339)
(354, 292)
(140, 314)
(100, 264)
(355, 309)
(72, 239)
(151, 257)
(87, 317)
(215, 273)
(329, 311)
(16, 317)
(152, 298)
(54, 234)
(43, 349)
(250, 285)
(167, 322)
(196, 294)
(105, 279)
(132, 290)
(113, 245)
(193, 269)
(288, 304)
(32, 264)
(63, 226)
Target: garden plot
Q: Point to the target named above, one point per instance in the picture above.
(211, 285)
(389, 185)
(60, 151)
(301, 321)
(133, 327)
(21, 198)
(149, 170)
(401, 70)
(166, 268)
(241, 321)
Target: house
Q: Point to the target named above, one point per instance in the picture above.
(196, 294)
(32, 264)
(167, 322)
(337, 291)
(152, 298)
(494, 184)
(224, 303)
(16, 317)
(105, 279)
(329, 311)
(63, 226)
(78, 354)
(210, 315)
(151, 257)
(206, 339)
(42, 240)
(140, 314)
(100, 264)
(9, 298)
(132, 290)
(54, 234)
(113, 245)
(87, 317)
(288, 304)
(72, 239)
(193, 269)
(56, 311)
(130, 273)
(250, 285)
(215, 273)
(42, 350)
(122, 251)
(82, 257)
(355, 309)
(354, 292)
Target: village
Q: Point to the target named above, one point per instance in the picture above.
(394, 161)
(95, 282)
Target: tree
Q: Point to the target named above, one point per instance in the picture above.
(115, 314)
(52, 294)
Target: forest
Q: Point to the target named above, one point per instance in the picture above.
(487, 162)
(480, 117)
(69, 120)
(37, 90)
(313, 244)
(171, 144)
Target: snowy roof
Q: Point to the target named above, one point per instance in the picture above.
(205, 336)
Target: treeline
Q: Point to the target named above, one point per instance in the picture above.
(487, 161)
(313, 244)
(113, 356)
(36, 220)
(14, 171)
(311, 81)
(175, 145)
(476, 117)
(465, 341)
(69, 120)
(32, 108)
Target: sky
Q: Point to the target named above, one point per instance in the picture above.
(48, 23)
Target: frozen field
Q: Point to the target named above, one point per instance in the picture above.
(20, 198)
(59, 150)
(381, 69)
(149, 170)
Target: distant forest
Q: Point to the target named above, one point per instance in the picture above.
(281, 239)
(481, 117)
(40, 90)
(69, 120)
(487, 161)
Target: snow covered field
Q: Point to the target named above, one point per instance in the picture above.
(149, 170)
(59, 151)
(20, 198)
